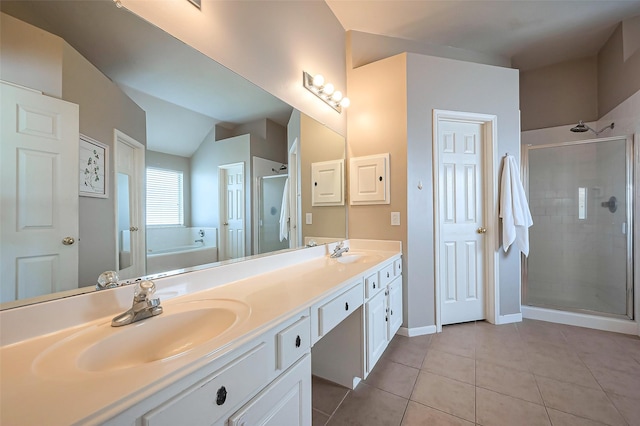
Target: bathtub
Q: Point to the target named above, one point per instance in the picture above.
(175, 248)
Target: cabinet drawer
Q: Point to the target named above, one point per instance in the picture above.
(386, 274)
(212, 398)
(397, 267)
(372, 285)
(293, 342)
(332, 313)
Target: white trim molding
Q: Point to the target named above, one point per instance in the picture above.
(490, 165)
(581, 320)
(510, 318)
(417, 331)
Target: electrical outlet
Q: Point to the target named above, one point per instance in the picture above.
(309, 218)
(395, 218)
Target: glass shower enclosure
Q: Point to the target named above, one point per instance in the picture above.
(580, 256)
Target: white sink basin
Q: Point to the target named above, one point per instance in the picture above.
(358, 257)
(178, 330)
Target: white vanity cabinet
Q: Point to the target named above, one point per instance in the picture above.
(265, 381)
(383, 310)
(285, 402)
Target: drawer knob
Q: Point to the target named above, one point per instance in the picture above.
(387, 275)
(374, 285)
(221, 395)
(386, 318)
(298, 341)
(346, 306)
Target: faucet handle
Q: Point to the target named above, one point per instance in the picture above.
(144, 290)
(339, 245)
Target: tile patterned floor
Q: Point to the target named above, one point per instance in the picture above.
(529, 373)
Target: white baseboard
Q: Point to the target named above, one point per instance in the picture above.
(508, 319)
(581, 320)
(417, 331)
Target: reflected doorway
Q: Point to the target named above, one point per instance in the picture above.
(232, 214)
(130, 221)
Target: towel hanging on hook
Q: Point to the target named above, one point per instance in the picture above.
(514, 209)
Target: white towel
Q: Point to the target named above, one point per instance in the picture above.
(514, 209)
(284, 212)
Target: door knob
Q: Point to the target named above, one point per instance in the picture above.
(67, 241)
(482, 230)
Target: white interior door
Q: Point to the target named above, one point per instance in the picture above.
(130, 218)
(39, 192)
(461, 221)
(232, 211)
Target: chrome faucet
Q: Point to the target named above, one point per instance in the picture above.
(143, 305)
(339, 249)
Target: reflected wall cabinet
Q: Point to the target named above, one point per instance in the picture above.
(327, 179)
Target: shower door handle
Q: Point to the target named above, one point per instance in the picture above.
(481, 230)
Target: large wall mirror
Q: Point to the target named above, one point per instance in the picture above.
(180, 162)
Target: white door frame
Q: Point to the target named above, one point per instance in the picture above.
(139, 239)
(295, 227)
(490, 208)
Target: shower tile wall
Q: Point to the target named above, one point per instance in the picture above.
(577, 263)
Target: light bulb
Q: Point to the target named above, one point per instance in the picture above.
(328, 89)
(318, 80)
(345, 102)
(337, 95)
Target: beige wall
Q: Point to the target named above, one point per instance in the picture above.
(378, 124)
(559, 94)
(617, 78)
(319, 143)
(269, 43)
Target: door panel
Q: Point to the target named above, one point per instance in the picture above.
(461, 215)
(39, 151)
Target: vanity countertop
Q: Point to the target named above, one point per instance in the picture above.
(33, 394)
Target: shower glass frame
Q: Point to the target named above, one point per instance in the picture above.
(629, 191)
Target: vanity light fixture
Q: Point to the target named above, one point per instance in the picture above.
(325, 91)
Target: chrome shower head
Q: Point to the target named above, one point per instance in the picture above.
(581, 128)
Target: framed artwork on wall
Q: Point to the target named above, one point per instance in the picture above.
(94, 163)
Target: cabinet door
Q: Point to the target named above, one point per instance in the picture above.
(376, 328)
(285, 402)
(369, 179)
(395, 306)
(327, 183)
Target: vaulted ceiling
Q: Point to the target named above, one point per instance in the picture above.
(530, 34)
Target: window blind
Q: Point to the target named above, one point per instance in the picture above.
(164, 197)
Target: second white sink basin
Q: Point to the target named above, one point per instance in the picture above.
(181, 328)
(357, 257)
